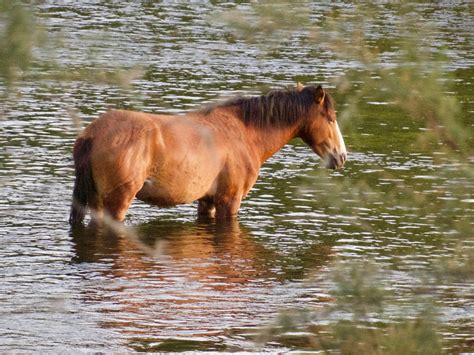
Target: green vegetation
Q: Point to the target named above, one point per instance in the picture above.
(266, 23)
(365, 316)
(363, 312)
(357, 321)
(173, 345)
(21, 35)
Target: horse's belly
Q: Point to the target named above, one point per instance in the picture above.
(174, 192)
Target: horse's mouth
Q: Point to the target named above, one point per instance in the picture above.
(336, 161)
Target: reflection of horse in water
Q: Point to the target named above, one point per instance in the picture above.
(212, 155)
(225, 250)
(173, 279)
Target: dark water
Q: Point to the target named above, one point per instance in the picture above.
(176, 283)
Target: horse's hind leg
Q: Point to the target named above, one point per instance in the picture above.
(96, 211)
(117, 202)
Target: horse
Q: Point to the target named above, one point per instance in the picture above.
(212, 154)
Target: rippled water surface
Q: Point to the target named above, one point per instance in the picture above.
(175, 283)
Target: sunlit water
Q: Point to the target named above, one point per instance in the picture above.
(175, 283)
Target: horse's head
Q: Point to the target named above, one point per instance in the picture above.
(321, 131)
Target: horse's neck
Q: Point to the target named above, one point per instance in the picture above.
(264, 142)
(268, 141)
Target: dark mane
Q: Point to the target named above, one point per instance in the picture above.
(277, 108)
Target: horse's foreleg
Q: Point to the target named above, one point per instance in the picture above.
(206, 207)
(227, 208)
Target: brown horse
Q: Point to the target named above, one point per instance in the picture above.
(212, 155)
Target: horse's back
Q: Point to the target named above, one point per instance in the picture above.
(171, 159)
(116, 125)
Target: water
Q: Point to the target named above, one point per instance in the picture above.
(176, 283)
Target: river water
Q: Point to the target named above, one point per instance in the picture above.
(174, 283)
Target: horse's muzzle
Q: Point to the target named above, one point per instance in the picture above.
(336, 161)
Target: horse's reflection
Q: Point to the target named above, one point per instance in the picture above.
(224, 250)
(174, 279)
(208, 250)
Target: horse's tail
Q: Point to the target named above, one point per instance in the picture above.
(84, 186)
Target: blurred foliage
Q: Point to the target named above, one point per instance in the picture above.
(416, 82)
(18, 35)
(355, 322)
(415, 85)
(358, 289)
(264, 22)
(21, 35)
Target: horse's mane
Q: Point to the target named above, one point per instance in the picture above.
(277, 108)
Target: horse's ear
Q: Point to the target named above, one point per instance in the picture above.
(319, 95)
(299, 87)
